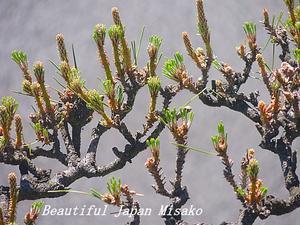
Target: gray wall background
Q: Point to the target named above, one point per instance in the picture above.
(32, 25)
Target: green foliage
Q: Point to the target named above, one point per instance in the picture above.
(115, 33)
(297, 54)
(153, 143)
(74, 74)
(74, 57)
(203, 28)
(215, 139)
(108, 87)
(135, 48)
(37, 127)
(297, 25)
(170, 117)
(221, 133)
(186, 115)
(220, 140)
(240, 191)
(41, 132)
(264, 191)
(115, 93)
(172, 66)
(95, 100)
(250, 29)
(253, 168)
(45, 134)
(99, 34)
(7, 112)
(154, 85)
(297, 12)
(221, 129)
(3, 115)
(95, 193)
(19, 57)
(289, 23)
(26, 87)
(39, 72)
(217, 65)
(153, 48)
(114, 187)
(3, 143)
(276, 86)
(119, 95)
(76, 83)
(290, 3)
(155, 41)
(10, 104)
(37, 206)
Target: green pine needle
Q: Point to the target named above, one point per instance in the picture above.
(172, 66)
(156, 41)
(208, 153)
(19, 57)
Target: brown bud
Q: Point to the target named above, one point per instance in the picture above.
(266, 18)
(289, 96)
(13, 195)
(36, 89)
(26, 86)
(222, 146)
(250, 153)
(187, 43)
(19, 131)
(33, 117)
(116, 16)
(228, 69)
(61, 48)
(12, 180)
(261, 64)
(27, 218)
(150, 162)
(65, 70)
(241, 51)
(261, 105)
(39, 72)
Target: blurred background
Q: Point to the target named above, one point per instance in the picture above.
(32, 25)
